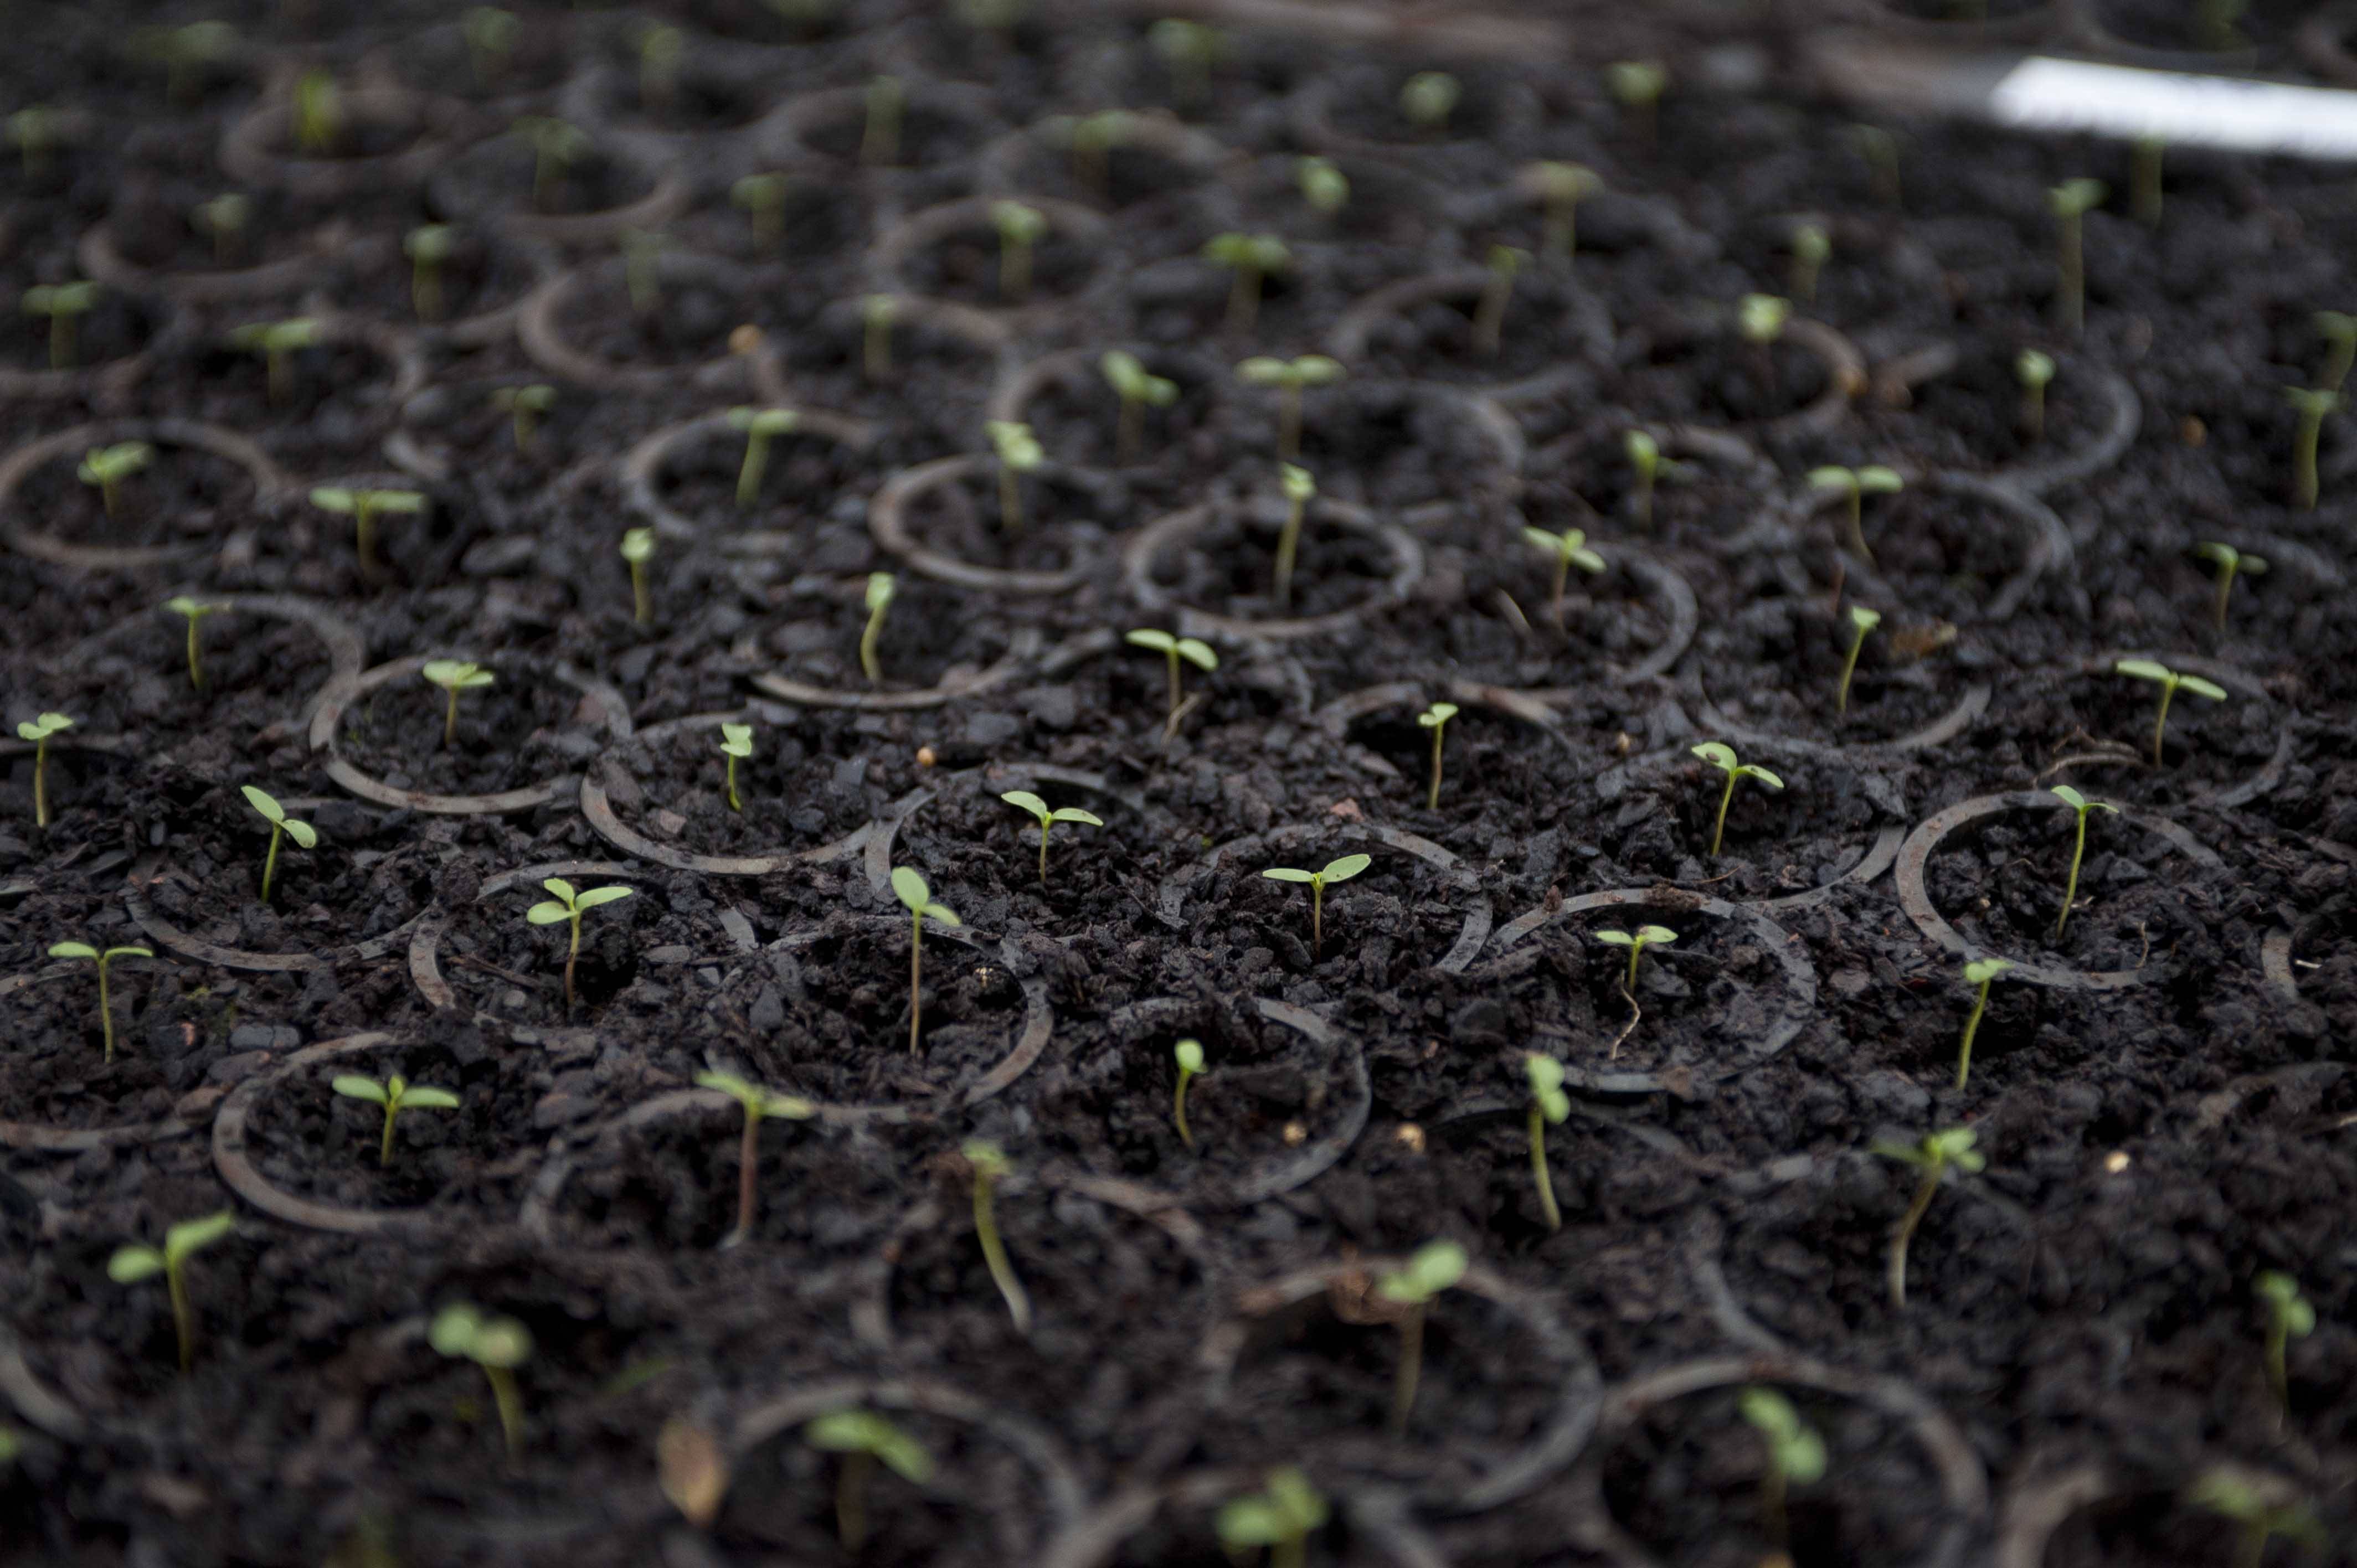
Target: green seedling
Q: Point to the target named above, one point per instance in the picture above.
(1637, 942)
(757, 1102)
(193, 612)
(990, 1165)
(1428, 98)
(318, 114)
(1569, 549)
(38, 132)
(1023, 800)
(1980, 974)
(2143, 180)
(2262, 1505)
(760, 425)
(186, 53)
(639, 548)
(1020, 228)
(1637, 85)
(524, 406)
(1932, 1156)
(1497, 293)
(2288, 1318)
(2169, 682)
(38, 731)
(395, 1094)
(1878, 150)
(916, 897)
(363, 506)
(864, 1439)
(557, 145)
(1549, 1104)
(1289, 377)
(2070, 203)
(879, 139)
(491, 33)
(226, 217)
(1796, 1454)
(65, 304)
(1325, 188)
(569, 906)
(1436, 719)
(1137, 388)
(1645, 458)
(876, 312)
(2311, 403)
(1722, 757)
(2033, 370)
(660, 52)
(1188, 1054)
(1855, 485)
(182, 1242)
(281, 826)
(1188, 51)
(12, 1445)
(1760, 318)
(643, 252)
(1300, 487)
(104, 960)
(1280, 1519)
(428, 248)
(1559, 189)
(1249, 258)
(1340, 870)
(1437, 1266)
(2338, 331)
(2080, 805)
(1862, 621)
(276, 343)
(1175, 649)
(1018, 454)
(881, 588)
(107, 466)
(1092, 139)
(1812, 248)
(736, 744)
(763, 198)
(454, 676)
(499, 1345)
(2230, 562)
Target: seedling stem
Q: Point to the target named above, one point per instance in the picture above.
(638, 548)
(2168, 680)
(1982, 972)
(1722, 757)
(108, 467)
(735, 742)
(1299, 487)
(569, 906)
(2080, 805)
(1137, 387)
(1436, 719)
(131, 1264)
(1018, 454)
(396, 1094)
(454, 676)
(2312, 405)
(1855, 484)
(881, 587)
(1436, 1267)
(990, 1163)
(1175, 649)
(499, 1345)
(2228, 561)
(1340, 870)
(1289, 377)
(1019, 229)
(280, 825)
(1796, 1454)
(1549, 1103)
(1489, 314)
(863, 1437)
(760, 425)
(2033, 370)
(194, 612)
(103, 960)
(1862, 621)
(918, 899)
(1024, 801)
(756, 1103)
(2070, 202)
(38, 731)
(1932, 1156)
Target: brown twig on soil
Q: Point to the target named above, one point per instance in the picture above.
(463, 961)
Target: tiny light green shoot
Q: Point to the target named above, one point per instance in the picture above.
(395, 1094)
(736, 745)
(317, 113)
(1191, 650)
(1189, 1055)
(1020, 228)
(1137, 389)
(642, 253)
(280, 825)
(2070, 202)
(1862, 621)
(2079, 806)
(1567, 549)
(1932, 1156)
(876, 314)
(1497, 293)
(2338, 330)
(2312, 405)
(1325, 188)
(1796, 1454)
(499, 1345)
(131, 1264)
(1024, 801)
(1854, 485)
(491, 33)
(763, 198)
(1436, 719)
(193, 611)
(38, 731)
(1188, 51)
(1281, 1519)
(1249, 258)
(1289, 377)
(64, 304)
(1334, 871)
(758, 1104)
(104, 960)
(1435, 1267)
(1722, 757)
(864, 1439)
(1812, 246)
(989, 1165)
(1637, 942)
(1018, 454)
(2263, 1504)
(2230, 562)
(2289, 1318)
(915, 897)
(2033, 369)
(760, 425)
(1428, 98)
(107, 466)
(276, 343)
(1637, 85)
(454, 676)
(1559, 189)
(2168, 680)
(363, 506)
(882, 589)
(524, 406)
(428, 247)
(1300, 488)
(1549, 1104)
(638, 548)
(1980, 974)
(226, 217)
(660, 52)
(568, 906)
(1644, 455)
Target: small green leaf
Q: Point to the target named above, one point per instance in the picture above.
(1716, 754)
(1982, 970)
(736, 740)
(1615, 938)
(2200, 688)
(547, 914)
(881, 588)
(72, 949)
(131, 1264)
(305, 835)
(1874, 478)
(1286, 874)
(1347, 867)
(2145, 670)
(1198, 653)
(941, 912)
(1023, 800)
(195, 1235)
(1074, 814)
(424, 1097)
(1189, 1054)
(1754, 771)
(596, 896)
(911, 888)
(1864, 619)
(1160, 641)
(269, 807)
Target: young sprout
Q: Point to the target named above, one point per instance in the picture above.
(363, 506)
(1878, 149)
(638, 548)
(2228, 561)
(735, 742)
(1175, 649)
(1428, 97)
(1637, 942)
(1189, 1057)
(2339, 333)
(427, 246)
(1289, 377)
(524, 405)
(2070, 202)
(2288, 1318)
(1019, 229)
(1559, 187)
(2264, 1511)
(64, 304)
(1760, 318)
(757, 1102)
(2080, 805)
(1812, 248)
(1796, 1454)
(1325, 188)
(318, 114)
(1489, 314)
(107, 466)
(1018, 454)
(760, 425)
(280, 825)
(182, 1242)
(103, 960)
(225, 217)
(2168, 680)
(395, 1094)
(1569, 549)
(1280, 1519)
(491, 33)
(1722, 757)
(276, 343)
(1436, 719)
(2311, 403)
(1437, 1266)
(643, 252)
(37, 731)
(876, 313)
(556, 146)
(1136, 387)
(1862, 621)
(660, 49)
(1300, 487)
(989, 1164)
(185, 51)
(863, 1438)
(881, 587)
(2143, 180)
(569, 906)
(194, 612)
(1637, 85)
(879, 140)
(499, 1345)
(1023, 800)
(454, 676)
(1093, 138)
(2033, 370)
(1645, 457)
(1251, 258)
(918, 899)
(1340, 870)
(1855, 485)
(1932, 1156)
(1549, 1103)
(1982, 972)
(37, 132)
(763, 197)
(1188, 50)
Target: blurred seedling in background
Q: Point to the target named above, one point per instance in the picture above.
(524, 407)
(758, 1104)
(2070, 202)
(1878, 150)
(491, 33)
(1861, 621)
(989, 1165)
(363, 508)
(2168, 680)
(1189, 1055)
(876, 313)
(1436, 1266)
(736, 745)
(104, 960)
(638, 548)
(763, 198)
(2079, 806)
(37, 133)
(864, 1440)
(1139, 390)
(1334, 871)
(1093, 138)
(1325, 188)
(1812, 247)
(2230, 562)
(225, 220)
(38, 731)
(643, 250)
(2033, 369)
(1549, 1104)
(2338, 331)
(1497, 293)
(428, 247)
(65, 304)
(318, 115)
(1436, 719)
(1300, 487)
(2288, 1318)
(1024, 801)
(1020, 230)
(1980, 973)
(2312, 405)
(2144, 156)
(660, 52)
(1289, 377)
(1636, 942)
(567, 905)
(1933, 1156)
(1566, 550)
(454, 676)
(1174, 650)
(1637, 85)
(1428, 98)
(915, 897)
(275, 344)
(1759, 320)
(394, 1095)
(760, 426)
(106, 467)
(193, 612)
(1018, 454)
(1795, 1453)
(281, 826)
(1854, 485)
(882, 587)
(499, 1345)
(131, 1264)
(1644, 455)
(1249, 258)
(1281, 1519)
(1721, 755)
(1559, 188)
(2262, 1506)
(887, 101)
(1188, 51)
(188, 54)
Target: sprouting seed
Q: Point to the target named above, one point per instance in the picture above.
(864, 1439)
(642, 252)
(1437, 1266)
(499, 1345)
(1188, 1054)
(882, 587)
(1192, 650)
(1980, 973)
(1024, 801)
(107, 466)
(64, 304)
(2311, 403)
(1497, 293)
(363, 506)
(2033, 369)
(757, 1103)
(1796, 1454)
(1428, 98)
(226, 217)
(1644, 457)
(1812, 248)
(1280, 1519)
(1569, 549)
(1559, 187)
(2338, 330)
(193, 611)
(989, 1165)
(280, 825)
(1300, 487)
(428, 248)
(886, 100)
(763, 197)
(1549, 1104)
(1018, 454)
(1289, 377)
(1862, 621)
(2079, 806)
(1855, 485)
(395, 1094)
(491, 33)
(760, 425)
(2169, 682)
(2230, 562)
(2288, 1318)
(277, 343)
(1137, 387)
(1932, 1156)
(1340, 870)
(38, 731)
(1436, 719)
(568, 906)
(1722, 757)
(1637, 942)
(454, 676)
(736, 744)
(1325, 188)
(2263, 1505)
(915, 897)
(129, 1265)
(1020, 228)
(638, 548)
(103, 960)
(2070, 203)
(1249, 258)
(876, 313)
(524, 406)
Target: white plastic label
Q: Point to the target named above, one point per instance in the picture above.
(2178, 107)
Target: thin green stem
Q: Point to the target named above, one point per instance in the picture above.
(867, 641)
(1288, 422)
(1288, 545)
(748, 1165)
(748, 475)
(1411, 1369)
(105, 1010)
(1131, 433)
(2225, 586)
(1171, 727)
(1316, 918)
(196, 665)
(1179, 1108)
(1489, 314)
(181, 1325)
(1293, 1551)
(511, 1407)
(994, 1254)
(572, 954)
(1771, 1502)
(2069, 889)
(1043, 853)
(851, 1499)
(643, 602)
(1717, 834)
(1972, 1027)
(385, 1145)
(916, 976)
(1243, 302)
(270, 861)
(1906, 1232)
(41, 783)
(1562, 577)
(1857, 524)
(2072, 300)
(1849, 668)
(1432, 796)
(1010, 500)
(2160, 720)
(1539, 1172)
(2304, 461)
(1634, 948)
(735, 804)
(450, 721)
